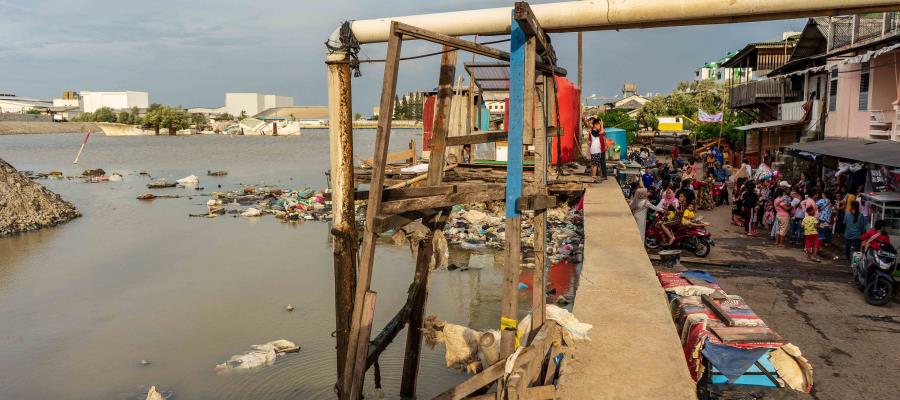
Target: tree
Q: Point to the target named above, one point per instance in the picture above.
(398, 110)
(620, 119)
(33, 111)
(242, 116)
(224, 117)
(104, 114)
(357, 116)
(167, 117)
(199, 119)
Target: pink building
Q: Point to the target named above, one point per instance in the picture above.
(862, 97)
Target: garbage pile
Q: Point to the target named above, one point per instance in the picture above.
(483, 226)
(289, 205)
(26, 205)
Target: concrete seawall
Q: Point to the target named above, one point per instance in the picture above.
(634, 352)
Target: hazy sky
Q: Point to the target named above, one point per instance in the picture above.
(190, 53)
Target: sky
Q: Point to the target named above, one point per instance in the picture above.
(190, 53)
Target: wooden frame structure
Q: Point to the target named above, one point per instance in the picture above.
(428, 198)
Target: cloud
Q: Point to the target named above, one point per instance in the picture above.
(192, 52)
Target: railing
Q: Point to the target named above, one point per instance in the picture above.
(847, 31)
(757, 92)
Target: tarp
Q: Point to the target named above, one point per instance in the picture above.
(883, 152)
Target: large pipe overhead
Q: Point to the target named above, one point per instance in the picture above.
(591, 15)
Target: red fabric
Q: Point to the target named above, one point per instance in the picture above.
(812, 241)
(428, 121)
(879, 237)
(506, 114)
(568, 100)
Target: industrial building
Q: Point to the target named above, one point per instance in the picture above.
(254, 103)
(91, 101)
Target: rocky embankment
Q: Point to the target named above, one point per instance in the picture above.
(23, 127)
(27, 205)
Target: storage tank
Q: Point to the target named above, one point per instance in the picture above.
(568, 98)
(619, 136)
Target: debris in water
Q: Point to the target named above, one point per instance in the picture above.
(260, 355)
(251, 212)
(160, 184)
(94, 172)
(216, 173)
(190, 180)
(290, 307)
(145, 362)
(151, 196)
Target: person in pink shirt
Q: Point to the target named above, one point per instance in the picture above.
(783, 216)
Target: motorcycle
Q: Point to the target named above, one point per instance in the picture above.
(720, 193)
(875, 273)
(695, 239)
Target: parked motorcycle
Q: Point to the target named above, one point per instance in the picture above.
(720, 193)
(694, 239)
(875, 273)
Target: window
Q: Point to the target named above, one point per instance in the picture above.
(864, 87)
(832, 91)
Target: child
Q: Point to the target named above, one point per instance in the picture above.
(769, 215)
(689, 217)
(667, 220)
(598, 150)
(810, 232)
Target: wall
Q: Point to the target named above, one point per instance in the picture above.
(884, 82)
(25, 117)
(272, 101)
(92, 101)
(847, 121)
(251, 103)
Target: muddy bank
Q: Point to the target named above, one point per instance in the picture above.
(25, 127)
(26, 205)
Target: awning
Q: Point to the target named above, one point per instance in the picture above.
(882, 152)
(769, 124)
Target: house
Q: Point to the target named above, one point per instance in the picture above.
(631, 102)
(715, 71)
(92, 101)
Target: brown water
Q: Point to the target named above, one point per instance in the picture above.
(81, 304)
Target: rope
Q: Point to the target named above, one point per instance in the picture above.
(348, 45)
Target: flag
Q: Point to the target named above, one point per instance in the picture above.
(704, 117)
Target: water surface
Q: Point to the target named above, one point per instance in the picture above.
(81, 304)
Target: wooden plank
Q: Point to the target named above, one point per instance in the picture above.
(490, 193)
(365, 329)
(539, 185)
(711, 303)
(385, 223)
(536, 202)
(358, 339)
(487, 137)
(747, 334)
(441, 117)
(417, 313)
(484, 378)
(546, 335)
(465, 45)
(528, 91)
(423, 177)
(545, 392)
(402, 155)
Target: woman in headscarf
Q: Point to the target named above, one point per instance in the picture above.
(639, 206)
(668, 199)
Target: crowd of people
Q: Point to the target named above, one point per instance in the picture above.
(793, 212)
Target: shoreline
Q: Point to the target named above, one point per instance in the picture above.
(42, 127)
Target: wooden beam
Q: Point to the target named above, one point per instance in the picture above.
(359, 370)
(522, 13)
(487, 137)
(541, 203)
(358, 339)
(545, 392)
(442, 117)
(384, 223)
(465, 45)
(417, 313)
(528, 102)
(491, 192)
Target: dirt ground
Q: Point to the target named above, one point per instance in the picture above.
(853, 346)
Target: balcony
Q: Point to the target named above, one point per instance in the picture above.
(756, 93)
(883, 125)
(854, 30)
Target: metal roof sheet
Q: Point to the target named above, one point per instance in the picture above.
(883, 152)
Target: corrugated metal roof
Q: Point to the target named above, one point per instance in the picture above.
(490, 76)
(883, 152)
(769, 124)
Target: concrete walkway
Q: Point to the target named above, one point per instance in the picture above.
(634, 352)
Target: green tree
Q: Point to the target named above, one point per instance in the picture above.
(33, 111)
(199, 119)
(224, 117)
(357, 116)
(398, 110)
(620, 119)
(242, 116)
(104, 114)
(123, 117)
(172, 118)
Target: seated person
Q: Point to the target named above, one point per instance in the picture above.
(690, 218)
(873, 238)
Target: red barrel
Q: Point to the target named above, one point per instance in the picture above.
(568, 97)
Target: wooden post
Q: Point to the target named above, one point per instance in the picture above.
(436, 224)
(509, 313)
(358, 341)
(344, 217)
(365, 329)
(539, 185)
(578, 137)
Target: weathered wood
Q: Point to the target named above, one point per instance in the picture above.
(365, 329)
(420, 178)
(529, 91)
(546, 392)
(442, 117)
(384, 223)
(359, 338)
(711, 303)
(417, 313)
(490, 193)
(402, 155)
(344, 216)
(522, 13)
(550, 370)
(481, 379)
(465, 45)
(546, 335)
(536, 202)
(487, 137)
(488, 352)
(541, 203)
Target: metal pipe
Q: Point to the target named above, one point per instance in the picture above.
(589, 15)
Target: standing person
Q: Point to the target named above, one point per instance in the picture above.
(598, 150)
(797, 215)
(675, 157)
(854, 226)
(640, 203)
(811, 235)
(749, 200)
(825, 212)
(783, 217)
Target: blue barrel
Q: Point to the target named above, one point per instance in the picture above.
(621, 138)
